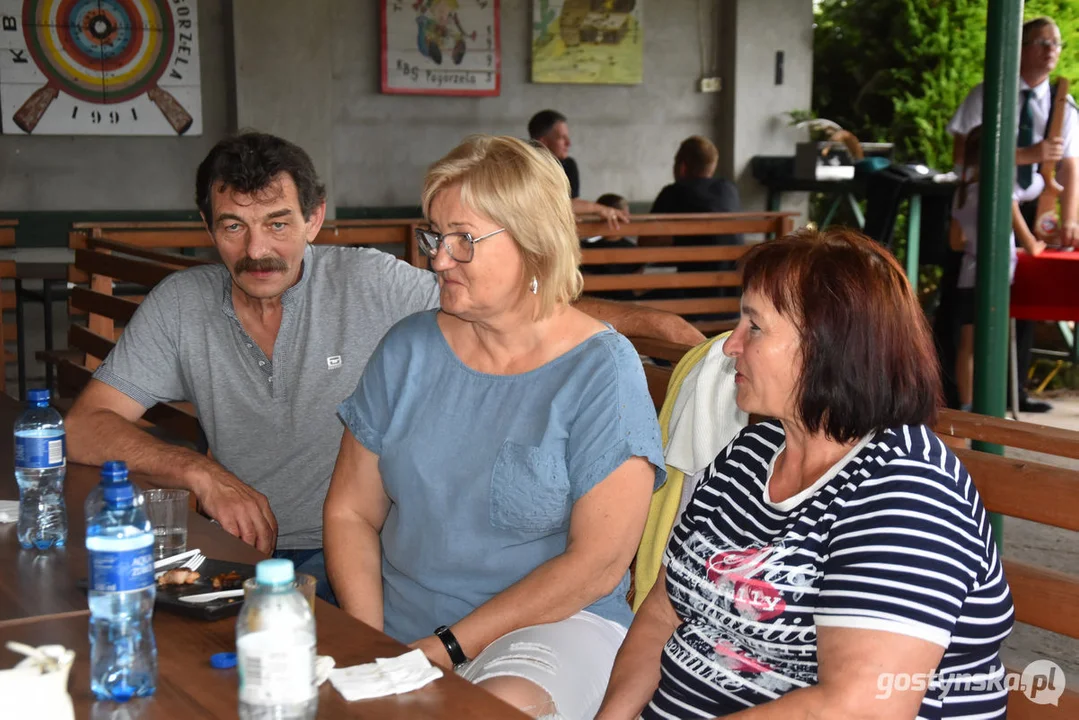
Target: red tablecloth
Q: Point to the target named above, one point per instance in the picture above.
(1046, 287)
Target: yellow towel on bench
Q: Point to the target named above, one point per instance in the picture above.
(663, 510)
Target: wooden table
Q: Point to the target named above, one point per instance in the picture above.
(41, 603)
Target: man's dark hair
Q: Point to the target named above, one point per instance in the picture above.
(613, 200)
(543, 122)
(248, 163)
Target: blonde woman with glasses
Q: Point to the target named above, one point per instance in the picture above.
(501, 452)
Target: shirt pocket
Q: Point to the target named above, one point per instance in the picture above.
(529, 489)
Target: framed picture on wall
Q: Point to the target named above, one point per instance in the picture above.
(579, 41)
(441, 47)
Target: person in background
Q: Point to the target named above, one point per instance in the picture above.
(1041, 46)
(696, 190)
(839, 544)
(492, 487)
(618, 202)
(550, 129)
(965, 222)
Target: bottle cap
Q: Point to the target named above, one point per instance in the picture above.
(113, 470)
(223, 660)
(275, 572)
(116, 489)
(38, 396)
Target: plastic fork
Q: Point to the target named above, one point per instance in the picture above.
(192, 563)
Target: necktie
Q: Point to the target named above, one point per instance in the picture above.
(1025, 175)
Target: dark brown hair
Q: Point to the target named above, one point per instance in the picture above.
(868, 359)
(249, 162)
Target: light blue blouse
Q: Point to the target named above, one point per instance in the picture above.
(483, 470)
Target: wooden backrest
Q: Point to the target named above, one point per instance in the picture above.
(695, 263)
(105, 262)
(8, 327)
(391, 235)
(1035, 491)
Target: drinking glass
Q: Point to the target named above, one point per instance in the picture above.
(168, 516)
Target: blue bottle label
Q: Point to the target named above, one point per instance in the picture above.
(128, 564)
(40, 453)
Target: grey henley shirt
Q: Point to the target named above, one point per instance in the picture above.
(272, 423)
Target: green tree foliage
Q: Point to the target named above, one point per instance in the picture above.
(896, 70)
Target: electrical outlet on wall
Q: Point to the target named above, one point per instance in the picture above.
(709, 84)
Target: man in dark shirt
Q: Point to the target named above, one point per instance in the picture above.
(694, 190)
(550, 129)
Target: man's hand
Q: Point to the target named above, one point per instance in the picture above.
(240, 509)
(1046, 151)
(434, 650)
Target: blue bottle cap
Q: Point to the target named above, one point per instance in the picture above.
(114, 470)
(38, 396)
(275, 572)
(115, 487)
(223, 660)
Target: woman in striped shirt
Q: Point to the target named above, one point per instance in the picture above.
(836, 560)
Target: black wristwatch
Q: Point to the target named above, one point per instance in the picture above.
(453, 648)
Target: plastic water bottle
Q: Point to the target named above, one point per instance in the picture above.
(275, 648)
(40, 465)
(120, 545)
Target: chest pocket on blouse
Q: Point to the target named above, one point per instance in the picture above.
(529, 489)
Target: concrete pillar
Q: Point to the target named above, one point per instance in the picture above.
(284, 75)
(751, 114)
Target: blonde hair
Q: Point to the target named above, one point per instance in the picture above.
(525, 190)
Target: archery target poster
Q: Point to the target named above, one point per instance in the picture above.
(99, 67)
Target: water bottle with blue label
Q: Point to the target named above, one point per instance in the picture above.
(120, 545)
(40, 465)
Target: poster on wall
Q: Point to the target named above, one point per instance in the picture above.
(587, 41)
(441, 47)
(99, 67)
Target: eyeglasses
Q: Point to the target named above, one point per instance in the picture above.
(461, 246)
(1043, 42)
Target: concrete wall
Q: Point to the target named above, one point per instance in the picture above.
(752, 119)
(310, 71)
(624, 137)
(284, 79)
(122, 173)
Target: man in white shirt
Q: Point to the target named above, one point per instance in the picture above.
(1040, 54)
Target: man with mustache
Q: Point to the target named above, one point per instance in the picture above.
(265, 346)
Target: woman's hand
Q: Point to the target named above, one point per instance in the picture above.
(434, 650)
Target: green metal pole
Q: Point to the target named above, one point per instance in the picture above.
(995, 186)
(914, 239)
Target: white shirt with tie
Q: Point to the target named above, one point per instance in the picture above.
(969, 116)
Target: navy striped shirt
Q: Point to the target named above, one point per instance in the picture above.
(894, 537)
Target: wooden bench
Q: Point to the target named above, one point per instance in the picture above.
(105, 262)
(654, 233)
(8, 329)
(1034, 491)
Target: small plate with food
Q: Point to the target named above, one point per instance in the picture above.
(212, 576)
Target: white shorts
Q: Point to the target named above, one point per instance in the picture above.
(570, 659)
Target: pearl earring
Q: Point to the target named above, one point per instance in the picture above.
(534, 285)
